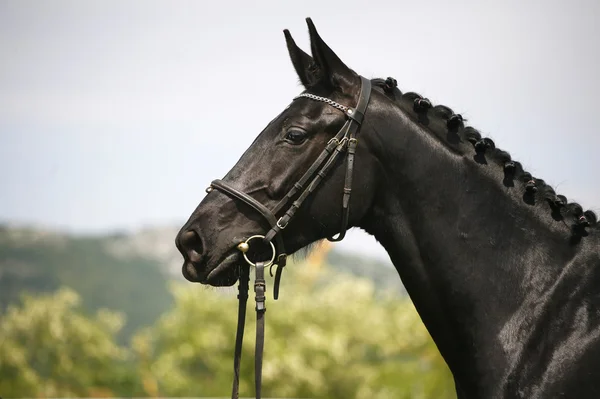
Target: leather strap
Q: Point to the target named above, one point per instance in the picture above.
(239, 336)
(248, 200)
(280, 264)
(352, 143)
(363, 101)
(260, 289)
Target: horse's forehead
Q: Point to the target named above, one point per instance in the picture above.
(307, 110)
(308, 118)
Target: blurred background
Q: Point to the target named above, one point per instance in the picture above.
(108, 137)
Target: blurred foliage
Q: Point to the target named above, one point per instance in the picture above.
(383, 274)
(48, 348)
(330, 335)
(38, 263)
(339, 340)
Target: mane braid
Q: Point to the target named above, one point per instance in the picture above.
(535, 188)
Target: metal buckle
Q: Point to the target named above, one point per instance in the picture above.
(245, 249)
(280, 225)
(337, 142)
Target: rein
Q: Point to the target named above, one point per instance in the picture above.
(344, 140)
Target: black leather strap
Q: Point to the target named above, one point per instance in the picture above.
(363, 102)
(260, 289)
(352, 142)
(363, 99)
(280, 264)
(239, 335)
(242, 196)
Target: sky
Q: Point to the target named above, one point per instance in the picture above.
(112, 112)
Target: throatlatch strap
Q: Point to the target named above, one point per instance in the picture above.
(239, 336)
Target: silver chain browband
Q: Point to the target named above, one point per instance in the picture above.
(339, 106)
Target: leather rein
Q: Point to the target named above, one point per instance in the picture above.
(345, 139)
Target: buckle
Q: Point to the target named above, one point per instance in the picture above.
(281, 225)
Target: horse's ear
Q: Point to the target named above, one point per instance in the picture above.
(334, 71)
(303, 63)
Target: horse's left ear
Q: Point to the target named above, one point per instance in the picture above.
(334, 71)
(303, 63)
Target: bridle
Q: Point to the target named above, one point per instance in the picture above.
(345, 139)
(311, 178)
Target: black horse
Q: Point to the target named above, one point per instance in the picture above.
(504, 272)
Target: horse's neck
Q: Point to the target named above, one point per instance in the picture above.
(466, 247)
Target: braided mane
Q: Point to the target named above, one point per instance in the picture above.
(442, 121)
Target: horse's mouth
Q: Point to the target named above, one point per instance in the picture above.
(225, 274)
(227, 271)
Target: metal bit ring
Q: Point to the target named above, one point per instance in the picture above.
(248, 246)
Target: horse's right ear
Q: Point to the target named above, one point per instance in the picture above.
(303, 63)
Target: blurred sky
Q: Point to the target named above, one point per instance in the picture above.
(111, 112)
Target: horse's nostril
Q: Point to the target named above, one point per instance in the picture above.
(191, 243)
(194, 256)
(188, 237)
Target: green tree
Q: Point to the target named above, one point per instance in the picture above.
(38, 262)
(329, 336)
(49, 348)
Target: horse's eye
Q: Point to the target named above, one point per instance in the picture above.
(295, 136)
